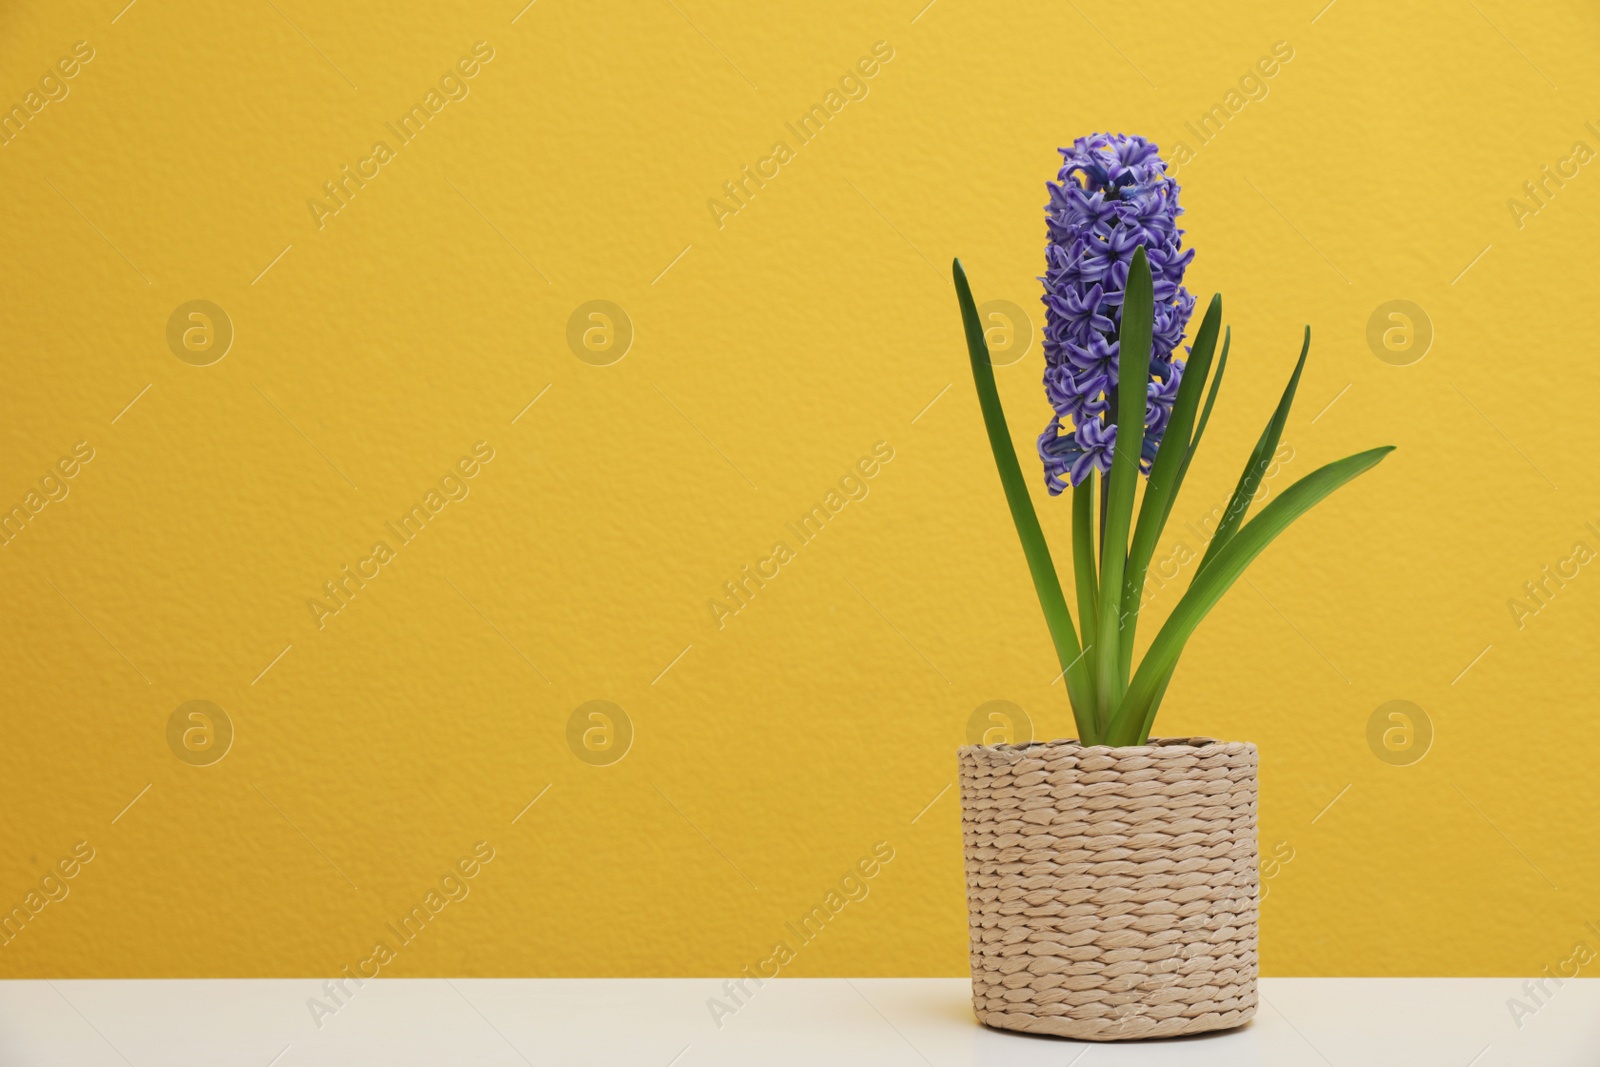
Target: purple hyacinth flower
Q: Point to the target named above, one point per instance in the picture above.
(1111, 196)
(1160, 396)
(1074, 455)
(1098, 439)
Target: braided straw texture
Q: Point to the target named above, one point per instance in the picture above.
(1112, 893)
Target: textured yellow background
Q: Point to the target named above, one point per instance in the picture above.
(769, 355)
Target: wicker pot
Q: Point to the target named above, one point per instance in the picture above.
(1112, 892)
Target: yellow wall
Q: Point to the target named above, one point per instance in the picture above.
(374, 748)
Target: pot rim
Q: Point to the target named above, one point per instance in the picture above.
(1196, 743)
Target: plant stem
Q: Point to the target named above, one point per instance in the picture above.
(1084, 577)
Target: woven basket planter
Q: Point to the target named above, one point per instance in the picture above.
(1112, 892)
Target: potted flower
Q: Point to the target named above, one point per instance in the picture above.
(1112, 878)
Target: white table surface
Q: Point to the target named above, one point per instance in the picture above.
(1323, 1022)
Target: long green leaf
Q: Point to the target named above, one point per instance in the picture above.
(1133, 371)
(1153, 509)
(1250, 480)
(1211, 397)
(1083, 566)
(1133, 719)
(1183, 470)
(1045, 580)
(1200, 430)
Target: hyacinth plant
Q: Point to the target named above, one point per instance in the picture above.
(1116, 312)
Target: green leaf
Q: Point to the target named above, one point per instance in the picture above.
(1133, 719)
(1162, 484)
(1200, 430)
(1155, 704)
(1133, 371)
(1083, 564)
(1250, 480)
(1211, 397)
(1045, 581)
